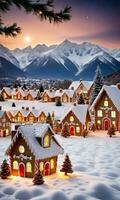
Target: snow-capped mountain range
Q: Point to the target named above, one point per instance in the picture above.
(67, 60)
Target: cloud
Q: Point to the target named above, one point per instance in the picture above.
(109, 35)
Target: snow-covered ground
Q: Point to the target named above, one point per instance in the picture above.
(96, 164)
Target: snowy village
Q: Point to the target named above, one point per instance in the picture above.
(59, 100)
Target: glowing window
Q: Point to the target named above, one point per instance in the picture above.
(15, 164)
(77, 129)
(114, 123)
(21, 149)
(99, 113)
(52, 164)
(98, 122)
(46, 141)
(113, 114)
(41, 166)
(28, 167)
(7, 131)
(71, 119)
(106, 103)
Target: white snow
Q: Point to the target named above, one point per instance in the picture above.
(96, 164)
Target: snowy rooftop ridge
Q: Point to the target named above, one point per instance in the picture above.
(30, 135)
(76, 84)
(114, 94)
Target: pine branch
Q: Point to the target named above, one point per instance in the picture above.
(12, 30)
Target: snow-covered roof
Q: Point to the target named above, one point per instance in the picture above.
(14, 91)
(114, 94)
(76, 84)
(50, 93)
(80, 112)
(1, 113)
(30, 134)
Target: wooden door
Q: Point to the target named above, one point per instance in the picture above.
(22, 170)
(106, 124)
(72, 130)
(47, 169)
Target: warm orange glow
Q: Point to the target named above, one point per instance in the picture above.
(27, 39)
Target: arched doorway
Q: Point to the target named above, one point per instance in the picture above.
(22, 169)
(47, 169)
(106, 124)
(72, 130)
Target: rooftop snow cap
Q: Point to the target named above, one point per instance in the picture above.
(30, 133)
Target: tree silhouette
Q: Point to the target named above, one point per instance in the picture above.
(111, 131)
(67, 166)
(43, 10)
(38, 178)
(65, 130)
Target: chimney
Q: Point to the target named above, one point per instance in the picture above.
(0, 107)
(80, 80)
(23, 107)
(118, 86)
(72, 88)
(50, 90)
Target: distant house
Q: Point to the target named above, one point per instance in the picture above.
(48, 96)
(77, 118)
(66, 96)
(19, 94)
(34, 147)
(5, 124)
(82, 87)
(106, 108)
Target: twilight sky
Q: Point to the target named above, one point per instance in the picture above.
(96, 21)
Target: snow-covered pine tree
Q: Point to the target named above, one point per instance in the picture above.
(5, 170)
(49, 120)
(67, 166)
(38, 178)
(97, 85)
(111, 131)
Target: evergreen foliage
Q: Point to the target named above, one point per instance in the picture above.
(85, 133)
(111, 131)
(67, 166)
(58, 102)
(65, 130)
(49, 120)
(5, 170)
(38, 178)
(97, 85)
(81, 100)
(2, 98)
(41, 89)
(42, 9)
(13, 104)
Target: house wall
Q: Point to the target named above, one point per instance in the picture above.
(106, 113)
(15, 155)
(5, 125)
(5, 95)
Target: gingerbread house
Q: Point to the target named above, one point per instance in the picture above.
(77, 118)
(106, 108)
(34, 147)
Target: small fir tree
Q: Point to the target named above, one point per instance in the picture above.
(58, 102)
(2, 98)
(5, 170)
(67, 166)
(38, 178)
(97, 85)
(81, 100)
(65, 130)
(13, 104)
(41, 89)
(49, 120)
(85, 133)
(111, 131)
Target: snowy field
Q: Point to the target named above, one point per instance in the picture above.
(96, 164)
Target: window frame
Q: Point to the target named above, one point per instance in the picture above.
(28, 167)
(47, 135)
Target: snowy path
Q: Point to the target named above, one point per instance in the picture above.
(96, 164)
